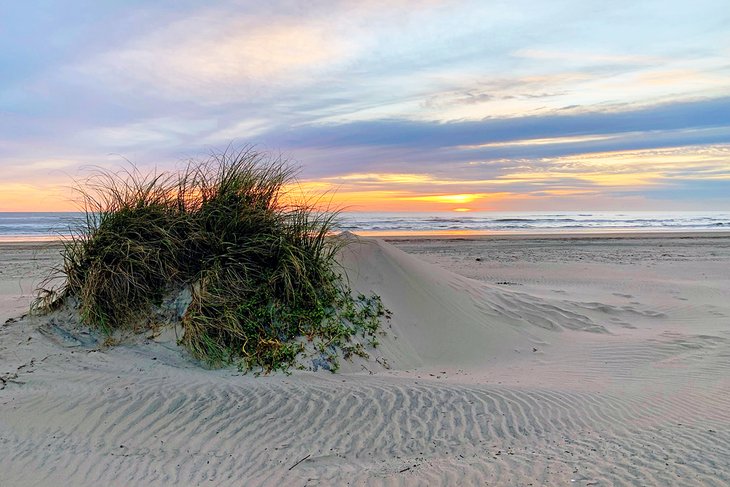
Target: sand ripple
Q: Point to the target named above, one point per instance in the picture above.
(161, 425)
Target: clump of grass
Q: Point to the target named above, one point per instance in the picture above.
(262, 269)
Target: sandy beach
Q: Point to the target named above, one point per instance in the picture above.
(591, 360)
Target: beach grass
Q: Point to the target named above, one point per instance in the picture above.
(260, 267)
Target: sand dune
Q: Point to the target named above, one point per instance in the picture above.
(476, 383)
(442, 318)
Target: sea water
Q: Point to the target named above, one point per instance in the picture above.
(49, 225)
(530, 222)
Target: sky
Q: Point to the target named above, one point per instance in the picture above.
(393, 105)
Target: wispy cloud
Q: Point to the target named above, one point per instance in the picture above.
(217, 59)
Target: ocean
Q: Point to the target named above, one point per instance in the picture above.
(534, 222)
(36, 226)
(44, 226)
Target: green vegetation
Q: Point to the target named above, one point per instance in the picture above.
(261, 270)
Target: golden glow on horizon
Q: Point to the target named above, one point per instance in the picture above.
(581, 177)
(445, 198)
(578, 176)
(32, 197)
(354, 198)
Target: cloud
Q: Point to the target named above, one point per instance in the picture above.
(538, 142)
(148, 133)
(218, 58)
(425, 135)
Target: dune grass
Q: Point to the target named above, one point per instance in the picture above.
(261, 269)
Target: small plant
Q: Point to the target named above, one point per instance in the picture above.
(262, 269)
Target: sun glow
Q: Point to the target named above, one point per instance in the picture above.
(445, 198)
(32, 197)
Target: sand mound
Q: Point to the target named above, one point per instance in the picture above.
(444, 319)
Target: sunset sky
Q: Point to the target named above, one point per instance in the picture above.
(398, 105)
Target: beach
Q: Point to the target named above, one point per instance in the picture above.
(553, 359)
